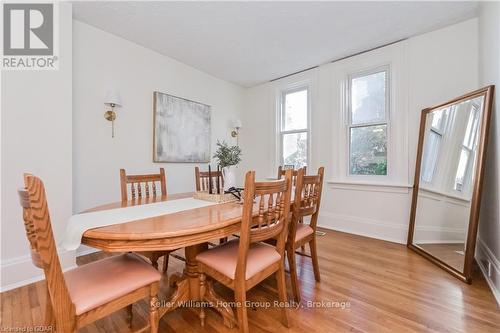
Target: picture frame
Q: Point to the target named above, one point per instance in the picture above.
(181, 130)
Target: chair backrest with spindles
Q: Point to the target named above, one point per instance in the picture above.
(203, 183)
(307, 198)
(282, 170)
(266, 208)
(140, 185)
(43, 249)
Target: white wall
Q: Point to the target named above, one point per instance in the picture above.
(36, 138)
(429, 69)
(488, 248)
(440, 218)
(104, 61)
(53, 126)
(443, 64)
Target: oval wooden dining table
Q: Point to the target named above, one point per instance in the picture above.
(190, 229)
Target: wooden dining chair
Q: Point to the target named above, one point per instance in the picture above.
(281, 173)
(137, 182)
(242, 263)
(144, 186)
(307, 200)
(202, 180)
(87, 293)
(282, 170)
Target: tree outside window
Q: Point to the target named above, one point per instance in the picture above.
(368, 123)
(294, 108)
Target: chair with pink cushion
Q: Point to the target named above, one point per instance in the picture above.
(90, 292)
(242, 263)
(307, 200)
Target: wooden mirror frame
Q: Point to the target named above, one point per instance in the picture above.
(464, 276)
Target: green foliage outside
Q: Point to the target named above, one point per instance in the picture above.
(369, 150)
(299, 158)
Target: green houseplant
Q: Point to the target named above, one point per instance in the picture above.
(228, 158)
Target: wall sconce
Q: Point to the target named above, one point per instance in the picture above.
(112, 99)
(236, 132)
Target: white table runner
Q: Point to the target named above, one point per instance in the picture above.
(79, 223)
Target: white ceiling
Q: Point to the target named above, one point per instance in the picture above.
(252, 42)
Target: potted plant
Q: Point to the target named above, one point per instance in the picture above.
(228, 158)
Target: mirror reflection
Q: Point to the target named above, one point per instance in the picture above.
(447, 172)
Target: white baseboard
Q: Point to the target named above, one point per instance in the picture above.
(431, 234)
(20, 271)
(439, 241)
(392, 232)
(484, 255)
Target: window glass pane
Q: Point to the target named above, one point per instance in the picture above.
(461, 169)
(430, 156)
(471, 130)
(368, 98)
(295, 110)
(439, 119)
(368, 150)
(295, 149)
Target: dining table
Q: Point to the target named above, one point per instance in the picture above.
(190, 229)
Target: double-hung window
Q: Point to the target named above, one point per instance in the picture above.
(294, 127)
(433, 144)
(368, 121)
(466, 159)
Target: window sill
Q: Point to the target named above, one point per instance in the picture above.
(434, 193)
(369, 186)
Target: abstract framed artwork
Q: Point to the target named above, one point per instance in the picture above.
(181, 130)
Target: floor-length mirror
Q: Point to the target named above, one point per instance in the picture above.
(448, 177)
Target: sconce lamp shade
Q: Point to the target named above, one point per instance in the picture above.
(113, 97)
(237, 124)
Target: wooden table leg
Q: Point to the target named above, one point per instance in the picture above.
(187, 288)
(179, 296)
(191, 270)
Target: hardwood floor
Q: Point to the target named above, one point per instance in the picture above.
(379, 287)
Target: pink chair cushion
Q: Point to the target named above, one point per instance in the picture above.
(224, 258)
(303, 230)
(102, 281)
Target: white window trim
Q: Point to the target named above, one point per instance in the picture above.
(468, 176)
(280, 92)
(387, 120)
(439, 133)
(399, 160)
(442, 142)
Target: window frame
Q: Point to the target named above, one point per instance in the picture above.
(387, 121)
(436, 161)
(440, 132)
(281, 119)
(466, 188)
